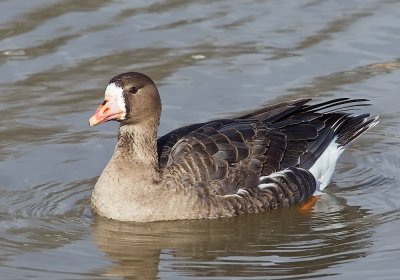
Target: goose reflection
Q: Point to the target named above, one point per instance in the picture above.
(281, 243)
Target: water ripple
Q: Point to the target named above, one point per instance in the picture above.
(211, 59)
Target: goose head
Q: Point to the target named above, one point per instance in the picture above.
(130, 98)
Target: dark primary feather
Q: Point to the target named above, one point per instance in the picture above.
(227, 157)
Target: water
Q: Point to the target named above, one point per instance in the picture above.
(211, 59)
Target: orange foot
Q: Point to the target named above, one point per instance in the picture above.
(308, 205)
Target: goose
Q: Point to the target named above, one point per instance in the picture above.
(276, 156)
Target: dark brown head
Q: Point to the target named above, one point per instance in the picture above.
(129, 98)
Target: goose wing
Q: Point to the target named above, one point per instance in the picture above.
(246, 154)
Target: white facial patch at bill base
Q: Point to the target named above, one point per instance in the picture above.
(115, 94)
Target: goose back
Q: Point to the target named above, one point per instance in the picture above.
(240, 156)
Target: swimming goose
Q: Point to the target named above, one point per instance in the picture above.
(273, 157)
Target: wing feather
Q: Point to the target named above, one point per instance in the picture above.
(229, 155)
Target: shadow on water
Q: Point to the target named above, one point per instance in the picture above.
(283, 243)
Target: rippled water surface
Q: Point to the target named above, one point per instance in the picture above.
(210, 59)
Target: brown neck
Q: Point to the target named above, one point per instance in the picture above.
(137, 144)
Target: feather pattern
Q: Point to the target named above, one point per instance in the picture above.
(261, 160)
(272, 157)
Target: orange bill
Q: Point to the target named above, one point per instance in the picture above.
(108, 110)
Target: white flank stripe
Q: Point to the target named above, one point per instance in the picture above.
(323, 168)
(242, 192)
(263, 186)
(279, 174)
(232, 195)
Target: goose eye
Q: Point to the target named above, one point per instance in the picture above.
(133, 90)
